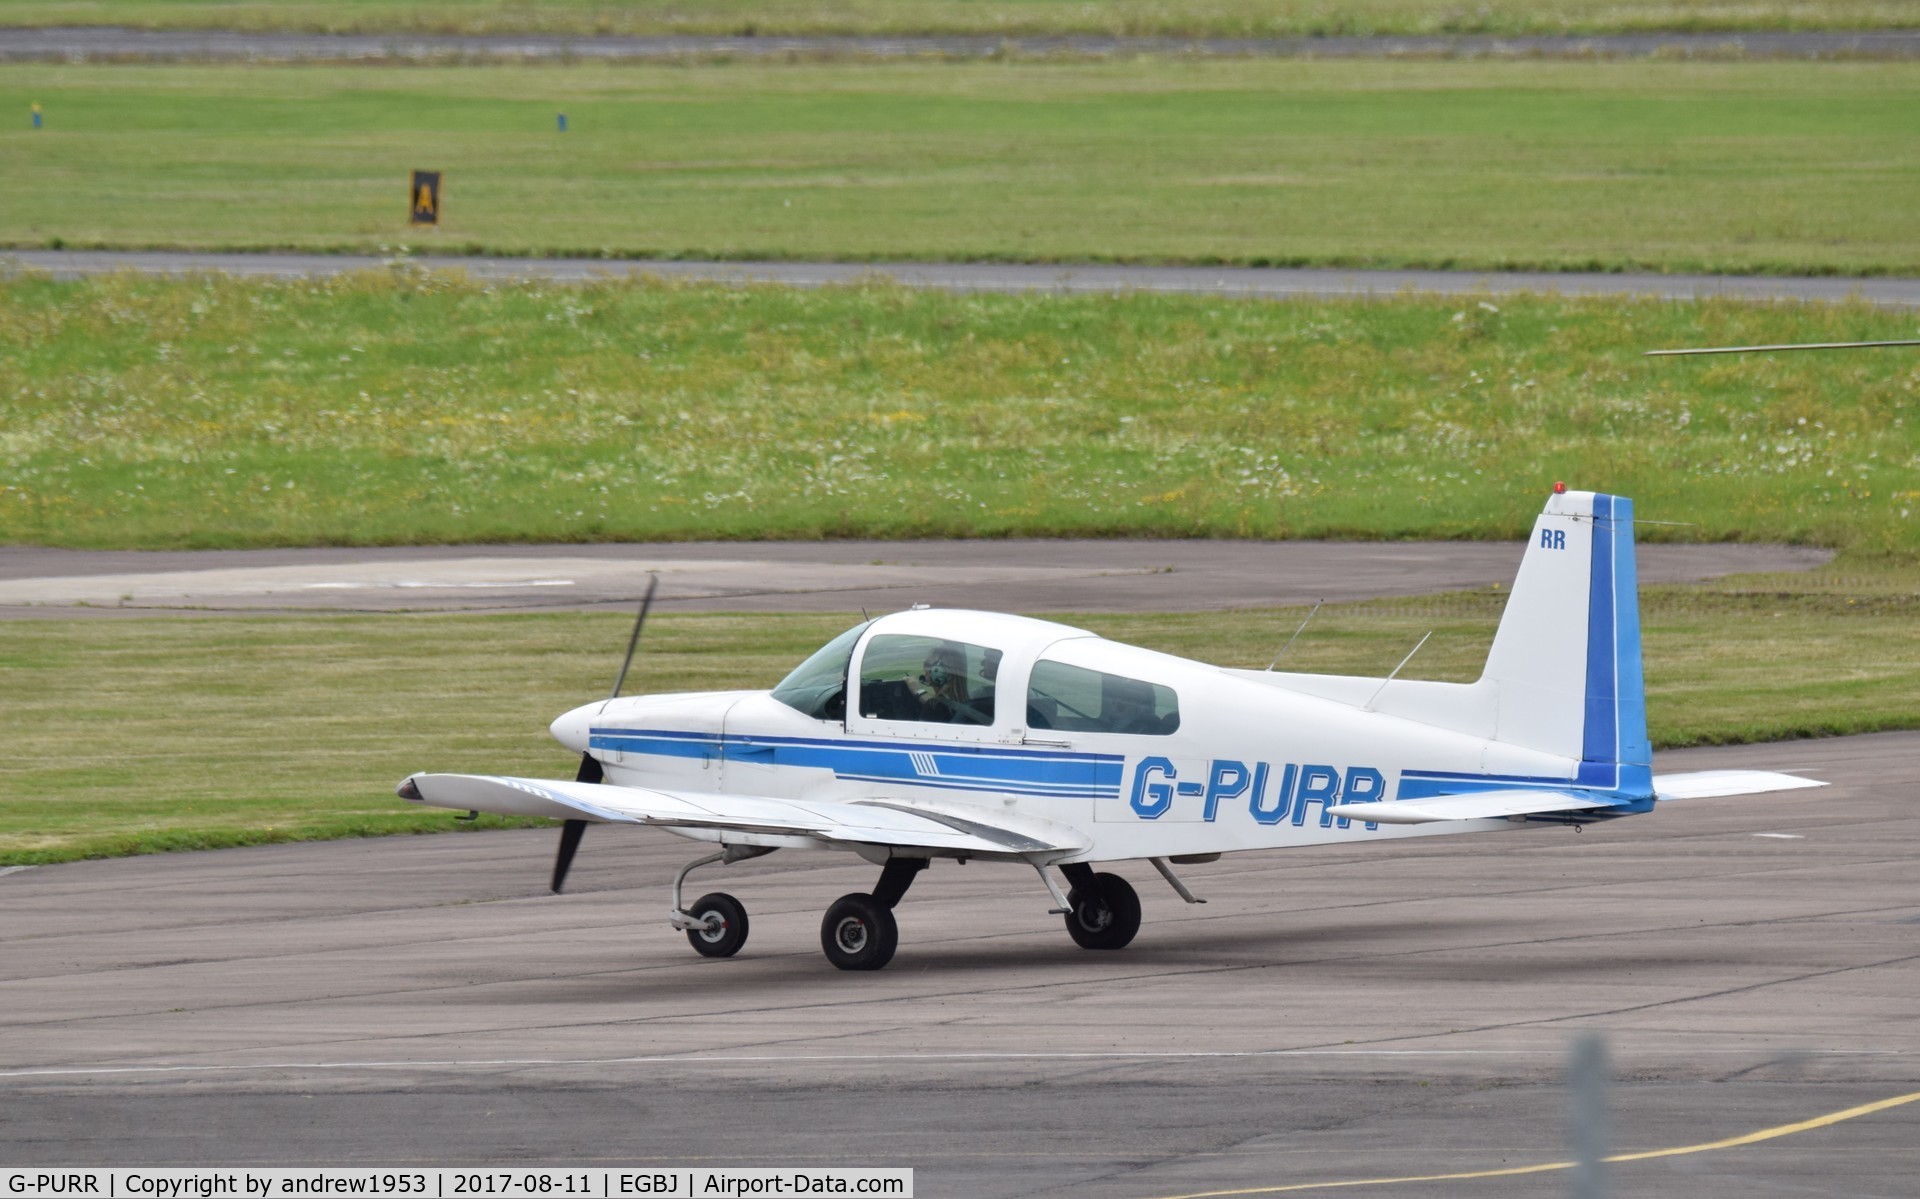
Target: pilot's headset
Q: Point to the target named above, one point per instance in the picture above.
(942, 666)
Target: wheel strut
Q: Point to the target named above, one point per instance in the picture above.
(895, 877)
(686, 921)
(1061, 905)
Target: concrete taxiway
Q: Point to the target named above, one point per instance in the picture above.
(1017, 576)
(116, 44)
(1225, 282)
(1329, 1015)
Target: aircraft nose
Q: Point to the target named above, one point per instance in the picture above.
(571, 728)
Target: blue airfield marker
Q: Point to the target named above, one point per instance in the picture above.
(563, 122)
(36, 114)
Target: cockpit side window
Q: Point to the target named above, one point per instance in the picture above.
(1074, 699)
(928, 679)
(818, 686)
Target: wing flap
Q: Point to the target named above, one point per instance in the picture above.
(1711, 784)
(867, 822)
(1473, 805)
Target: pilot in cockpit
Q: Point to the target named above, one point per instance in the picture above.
(942, 687)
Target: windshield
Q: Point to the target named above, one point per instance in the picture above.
(818, 686)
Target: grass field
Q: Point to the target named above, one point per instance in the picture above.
(1223, 18)
(394, 408)
(144, 735)
(1746, 167)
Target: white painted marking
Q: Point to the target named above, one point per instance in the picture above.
(1782, 836)
(448, 586)
(13, 869)
(1554, 1053)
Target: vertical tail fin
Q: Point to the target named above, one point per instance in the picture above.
(1565, 663)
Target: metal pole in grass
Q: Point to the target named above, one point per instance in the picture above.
(1587, 1080)
(1812, 345)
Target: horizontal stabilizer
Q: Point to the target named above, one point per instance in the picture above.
(902, 825)
(1710, 784)
(1474, 805)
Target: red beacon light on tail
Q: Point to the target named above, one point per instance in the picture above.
(1559, 489)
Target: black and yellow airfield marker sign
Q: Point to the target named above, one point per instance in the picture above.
(423, 198)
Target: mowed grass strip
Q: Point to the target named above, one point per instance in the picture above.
(1795, 167)
(1164, 18)
(134, 736)
(400, 409)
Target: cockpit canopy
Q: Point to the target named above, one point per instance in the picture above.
(931, 667)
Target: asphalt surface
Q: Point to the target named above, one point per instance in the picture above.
(1017, 576)
(113, 44)
(1269, 283)
(1329, 1015)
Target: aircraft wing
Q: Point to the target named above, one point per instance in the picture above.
(1709, 784)
(1473, 805)
(902, 824)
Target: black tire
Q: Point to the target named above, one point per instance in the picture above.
(726, 940)
(1105, 918)
(859, 933)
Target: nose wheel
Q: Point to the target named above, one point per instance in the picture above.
(716, 924)
(722, 925)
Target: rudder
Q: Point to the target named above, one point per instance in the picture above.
(1565, 664)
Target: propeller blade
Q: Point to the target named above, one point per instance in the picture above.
(633, 642)
(589, 771)
(572, 830)
(570, 834)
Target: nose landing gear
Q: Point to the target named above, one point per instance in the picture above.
(716, 924)
(723, 925)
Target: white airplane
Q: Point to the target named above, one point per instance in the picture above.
(957, 735)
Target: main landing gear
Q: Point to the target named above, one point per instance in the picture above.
(859, 932)
(1103, 909)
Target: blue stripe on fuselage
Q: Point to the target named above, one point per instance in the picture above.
(980, 768)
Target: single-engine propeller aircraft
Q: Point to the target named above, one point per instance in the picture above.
(956, 735)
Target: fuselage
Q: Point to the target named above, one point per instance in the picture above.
(1227, 759)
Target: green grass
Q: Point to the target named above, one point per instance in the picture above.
(144, 735)
(1178, 18)
(1750, 167)
(386, 408)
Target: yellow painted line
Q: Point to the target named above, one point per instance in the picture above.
(1752, 1138)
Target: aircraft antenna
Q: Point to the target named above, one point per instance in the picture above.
(1368, 706)
(1816, 345)
(1295, 637)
